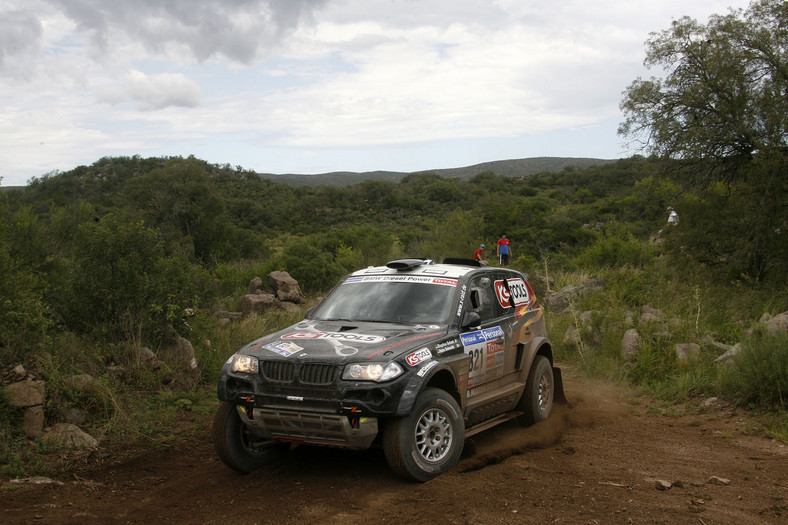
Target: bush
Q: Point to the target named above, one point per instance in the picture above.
(759, 373)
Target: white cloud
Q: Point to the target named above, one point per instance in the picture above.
(154, 91)
(294, 84)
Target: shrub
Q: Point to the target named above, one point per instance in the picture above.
(759, 373)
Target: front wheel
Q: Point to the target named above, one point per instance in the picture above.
(428, 441)
(237, 446)
(537, 400)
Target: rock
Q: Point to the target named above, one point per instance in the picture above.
(25, 393)
(714, 480)
(629, 344)
(255, 303)
(286, 287)
(291, 308)
(711, 402)
(653, 314)
(661, 484)
(729, 355)
(561, 299)
(82, 382)
(33, 421)
(20, 372)
(228, 316)
(36, 480)
(147, 358)
(777, 324)
(68, 436)
(686, 352)
(255, 285)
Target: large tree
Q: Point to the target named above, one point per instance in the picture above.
(719, 113)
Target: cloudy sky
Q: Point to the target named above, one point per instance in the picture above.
(313, 86)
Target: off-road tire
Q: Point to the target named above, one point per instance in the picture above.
(537, 400)
(428, 441)
(237, 447)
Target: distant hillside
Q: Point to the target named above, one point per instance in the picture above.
(504, 168)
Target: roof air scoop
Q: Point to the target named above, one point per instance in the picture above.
(403, 265)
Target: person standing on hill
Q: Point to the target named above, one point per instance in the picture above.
(504, 250)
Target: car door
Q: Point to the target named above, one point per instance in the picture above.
(487, 343)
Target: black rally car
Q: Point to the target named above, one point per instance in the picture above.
(413, 356)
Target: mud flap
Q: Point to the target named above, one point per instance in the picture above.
(558, 386)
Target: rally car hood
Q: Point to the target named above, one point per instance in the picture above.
(343, 341)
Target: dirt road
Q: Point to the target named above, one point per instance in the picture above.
(597, 460)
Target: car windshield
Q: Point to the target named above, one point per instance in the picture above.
(392, 302)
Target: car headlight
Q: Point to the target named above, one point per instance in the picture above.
(245, 364)
(372, 371)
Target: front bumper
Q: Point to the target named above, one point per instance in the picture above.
(315, 428)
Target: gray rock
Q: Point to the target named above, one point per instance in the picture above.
(629, 344)
(25, 393)
(729, 355)
(68, 436)
(33, 421)
(255, 285)
(714, 480)
(252, 304)
(777, 324)
(686, 352)
(561, 299)
(286, 287)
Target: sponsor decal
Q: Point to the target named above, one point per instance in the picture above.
(401, 279)
(422, 354)
(462, 300)
(337, 336)
(426, 368)
(284, 348)
(447, 346)
(486, 348)
(517, 295)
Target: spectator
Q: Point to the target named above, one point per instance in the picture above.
(504, 250)
(477, 255)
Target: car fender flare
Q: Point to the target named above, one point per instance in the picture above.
(538, 346)
(447, 380)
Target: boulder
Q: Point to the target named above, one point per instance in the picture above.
(259, 302)
(629, 344)
(285, 287)
(255, 285)
(561, 299)
(25, 393)
(777, 324)
(728, 356)
(686, 352)
(68, 436)
(33, 421)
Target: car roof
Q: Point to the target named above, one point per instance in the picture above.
(418, 267)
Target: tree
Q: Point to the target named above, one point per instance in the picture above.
(721, 114)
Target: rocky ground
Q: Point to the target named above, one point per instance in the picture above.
(606, 457)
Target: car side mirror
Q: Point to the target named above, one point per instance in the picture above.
(471, 319)
(309, 312)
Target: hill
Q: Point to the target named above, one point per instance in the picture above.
(504, 168)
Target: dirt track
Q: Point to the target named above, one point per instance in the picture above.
(595, 461)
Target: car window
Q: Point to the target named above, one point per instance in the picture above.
(396, 302)
(482, 297)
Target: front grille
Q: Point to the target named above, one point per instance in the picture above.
(308, 373)
(279, 371)
(318, 374)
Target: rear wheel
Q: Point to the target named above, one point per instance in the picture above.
(428, 441)
(537, 400)
(237, 446)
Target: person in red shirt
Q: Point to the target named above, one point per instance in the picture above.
(477, 255)
(504, 250)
